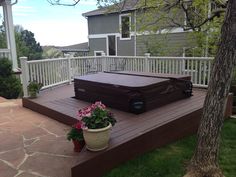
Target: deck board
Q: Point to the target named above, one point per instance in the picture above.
(132, 135)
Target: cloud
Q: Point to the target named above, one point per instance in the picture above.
(58, 33)
(81, 2)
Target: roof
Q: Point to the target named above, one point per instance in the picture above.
(82, 47)
(127, 5)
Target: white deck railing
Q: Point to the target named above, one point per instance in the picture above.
(52, 72)
(5, 53)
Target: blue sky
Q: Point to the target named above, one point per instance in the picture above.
(54, 25)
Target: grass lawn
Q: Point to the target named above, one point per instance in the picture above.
(170, 161)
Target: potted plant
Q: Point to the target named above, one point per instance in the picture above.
(76, 135)
(96, 124)
(33, 88)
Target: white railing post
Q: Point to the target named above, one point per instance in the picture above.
(104, 63)
(147, 55)
(25, 75)
(68, 56)
(183, 66)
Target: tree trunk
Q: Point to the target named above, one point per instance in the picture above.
(204, 162)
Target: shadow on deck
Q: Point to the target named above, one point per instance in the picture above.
(132, 135)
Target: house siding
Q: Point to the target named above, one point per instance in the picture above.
(103, 24)
(170, 44)
(125, 47)
(98, 44)
(108, 23)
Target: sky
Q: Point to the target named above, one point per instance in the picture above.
(54, 25)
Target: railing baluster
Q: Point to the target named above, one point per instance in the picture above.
(196, 72)
(209, 71)
(204, 73)
(52, 72)
(200, 73)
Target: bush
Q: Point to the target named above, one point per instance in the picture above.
(5, 67)
(10, 86)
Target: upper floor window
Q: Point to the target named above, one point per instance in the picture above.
(125, 21)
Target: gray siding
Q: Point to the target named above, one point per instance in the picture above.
(103, 24)
(108, 23)
(98, 44)
(170, 44)
(125, 47)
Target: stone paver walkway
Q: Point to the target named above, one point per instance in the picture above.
(32, 145)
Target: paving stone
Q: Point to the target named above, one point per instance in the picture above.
(50, 137)
(53, 147)
(4, 120)
(2, 99)
(30, 142)
(6, 171)
(33, 118)
(10, 141)
(23, 128)
(55, 127)
(15, 157)
(48, 165)
(48, 152)
(8, 104)
(27, 175)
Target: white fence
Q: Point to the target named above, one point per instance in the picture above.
(52, 72)
(4, 53)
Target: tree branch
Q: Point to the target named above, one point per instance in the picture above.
(215, 13)
(58, 2)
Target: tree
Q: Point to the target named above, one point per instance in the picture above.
(204, 162)
(27, 45)
(51, 52)
(205, 159)
(2, 35)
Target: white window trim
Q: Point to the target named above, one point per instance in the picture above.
(108, 44)
(98, 51)
(95, 36)
(120, 24)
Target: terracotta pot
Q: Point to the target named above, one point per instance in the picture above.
(78, 145)
(97, 139)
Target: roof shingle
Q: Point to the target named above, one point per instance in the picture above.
(126, 5)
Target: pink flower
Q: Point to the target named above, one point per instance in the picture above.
(99, 104)
(78, 125)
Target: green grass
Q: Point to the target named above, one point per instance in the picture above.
(171, 160)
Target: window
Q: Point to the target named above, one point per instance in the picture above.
(125, 26)
(112, 45)
(98, 53)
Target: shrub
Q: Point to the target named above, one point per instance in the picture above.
(5, 67)
(10, 86)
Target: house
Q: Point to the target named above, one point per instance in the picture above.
(76, 49)
(10, 50)
(115, 33)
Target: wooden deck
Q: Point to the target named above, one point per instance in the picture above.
(132, 135)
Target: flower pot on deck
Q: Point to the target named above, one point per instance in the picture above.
(78, 145)
(33, 94)
(97, 139)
